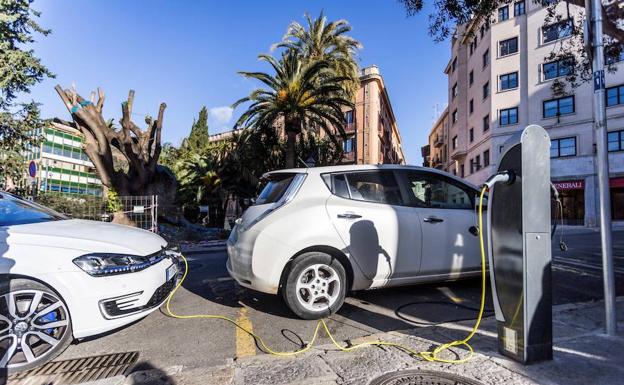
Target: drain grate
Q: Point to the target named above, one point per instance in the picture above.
(77, 370)
(420, 377)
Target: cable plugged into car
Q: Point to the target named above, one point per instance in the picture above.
(433, 355)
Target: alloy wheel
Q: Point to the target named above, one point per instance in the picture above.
(32, 324)
(318, 287)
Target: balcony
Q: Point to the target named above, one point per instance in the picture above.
(436, 162)
(439, 141)
(458, 154)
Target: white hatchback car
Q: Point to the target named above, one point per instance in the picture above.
(63, 279)
(314, 234)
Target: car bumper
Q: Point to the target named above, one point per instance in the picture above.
(108, 303)
(240, 263)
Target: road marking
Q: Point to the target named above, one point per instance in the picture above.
(245, 344)
(450, 295)
(218, 279)
(581, 263)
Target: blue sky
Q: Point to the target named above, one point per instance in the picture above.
(187, 54)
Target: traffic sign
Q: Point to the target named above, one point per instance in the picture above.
(32, 169)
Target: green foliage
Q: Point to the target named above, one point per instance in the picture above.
(328, 41)
(113, 203)
(80, 207)
(198, 139)
(20, 69)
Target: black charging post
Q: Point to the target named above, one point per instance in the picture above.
(520, 247)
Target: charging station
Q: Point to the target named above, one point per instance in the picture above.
(519, 240)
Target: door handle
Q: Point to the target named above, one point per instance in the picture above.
(433, 220)
(349, 216)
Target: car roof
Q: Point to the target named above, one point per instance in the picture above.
(364, 167)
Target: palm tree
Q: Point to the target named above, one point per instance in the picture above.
(301, 95)
(328, 41)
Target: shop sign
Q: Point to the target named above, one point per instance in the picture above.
(616, 182)
(570, 185)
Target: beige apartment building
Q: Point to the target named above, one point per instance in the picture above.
(499, 82)
(373, 135)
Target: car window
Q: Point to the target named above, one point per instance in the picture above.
(339, 185)
(433, 191)
(276, 186)
(374, 186)
(18, 212)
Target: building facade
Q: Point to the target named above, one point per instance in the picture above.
(373, 135)
(499, 81)
(62, 165)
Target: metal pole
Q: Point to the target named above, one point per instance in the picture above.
(602, 160)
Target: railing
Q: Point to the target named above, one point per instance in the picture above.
(349, 128)
(439, 141)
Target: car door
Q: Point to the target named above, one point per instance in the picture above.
(371, 218)
(449, 231)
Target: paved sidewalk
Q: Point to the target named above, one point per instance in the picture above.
(582, 354)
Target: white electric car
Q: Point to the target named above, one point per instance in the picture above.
(63, 279)
(314, 234)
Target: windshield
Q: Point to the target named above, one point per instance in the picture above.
(17, 211)
(276, 186)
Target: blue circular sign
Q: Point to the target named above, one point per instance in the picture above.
(32, 169)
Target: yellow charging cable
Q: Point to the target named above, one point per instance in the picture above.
(428, 356)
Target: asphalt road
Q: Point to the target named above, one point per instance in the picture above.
(164, 342)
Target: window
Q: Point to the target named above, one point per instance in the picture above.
(472, 170)
(486, 123)
(486, 90)
(471, 135)
(470, 106)
(434, 191)
(470, 78)
(519, 8)
(508, 81)
(454, 117)
(478, 162)
(508, 116)
(374, 186)
(17, 211)
(562, 147)
(556, 31)
(561, 67)
(486, 158)
(473, 45)
(454, 65)
(454, 142)
(503, 13)
(275, 188)
(557, 107)
(486, 58)
(508, 47)
(462, 171)
(347, 145)
(482, 30)
(615, 95)
(454, 91)
(548, 2)
(615, 141)
(349, 117)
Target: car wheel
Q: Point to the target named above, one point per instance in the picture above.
(315, 285)
(35, 325)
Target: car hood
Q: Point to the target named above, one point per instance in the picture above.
(89, 236)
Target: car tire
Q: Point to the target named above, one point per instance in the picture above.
(315, 286)
(23, 328)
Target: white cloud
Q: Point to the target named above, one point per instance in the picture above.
(220, 115)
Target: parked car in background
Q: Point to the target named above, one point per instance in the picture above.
(63, 279)
(314, 234)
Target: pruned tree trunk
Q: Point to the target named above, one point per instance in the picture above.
(140, 149)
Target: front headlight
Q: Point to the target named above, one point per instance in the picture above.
(104, 264)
